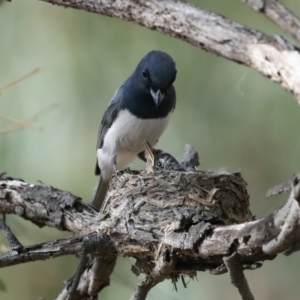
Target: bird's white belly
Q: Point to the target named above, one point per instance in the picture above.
(125, 137)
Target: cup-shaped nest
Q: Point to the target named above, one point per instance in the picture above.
(162, 202)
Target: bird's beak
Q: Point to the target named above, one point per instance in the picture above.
(148, 148)
(157, 96)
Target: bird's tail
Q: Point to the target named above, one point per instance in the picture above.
(99, 193)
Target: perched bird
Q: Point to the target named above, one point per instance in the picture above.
(140, 110)
(158, 160)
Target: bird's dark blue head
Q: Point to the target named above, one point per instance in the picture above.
(156, 72)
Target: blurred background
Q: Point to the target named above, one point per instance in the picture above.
(237, 119)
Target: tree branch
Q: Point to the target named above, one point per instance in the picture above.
(44, 205)
(237, 276)
(271, 56)
(177, 230)
(278, 14)
(94, 278)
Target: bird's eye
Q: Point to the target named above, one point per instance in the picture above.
(159, 164)
(145, 74)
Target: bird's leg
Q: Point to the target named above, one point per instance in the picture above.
(12, 240)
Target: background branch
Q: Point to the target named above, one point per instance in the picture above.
(194, 84)
(14, 83)
(272, 56)
(278, 14)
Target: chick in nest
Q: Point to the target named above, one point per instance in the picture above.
(158, 160)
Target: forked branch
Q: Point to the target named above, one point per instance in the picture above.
(179, 240)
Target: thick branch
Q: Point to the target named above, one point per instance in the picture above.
(177, 229)
(278, 14)
(46, 206)
(172, 223)
(272, 56)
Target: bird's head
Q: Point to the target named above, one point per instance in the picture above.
(157, 160)
(157, 72)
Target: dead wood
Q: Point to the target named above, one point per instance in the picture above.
(272, 56)
(172, 223)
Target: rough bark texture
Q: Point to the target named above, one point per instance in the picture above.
(46, 206)
(237, 275)
(272, 56)
(171, 223)
(278, 14)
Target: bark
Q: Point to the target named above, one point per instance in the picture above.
(238, 278)
(278, 14)
(172, 223)
(272, 56)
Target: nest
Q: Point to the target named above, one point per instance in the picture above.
(151, 205)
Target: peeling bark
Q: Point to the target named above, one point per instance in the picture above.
(172, 224)
(186, 222)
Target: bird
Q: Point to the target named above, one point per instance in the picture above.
(190, 160)
(139, 110)
(158, 160)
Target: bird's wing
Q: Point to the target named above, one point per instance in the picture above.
(108, 118)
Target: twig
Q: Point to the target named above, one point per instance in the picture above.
(288, 222)
(238, 279)
(142, 289)
(42, 251)
(163, 269)
(21, 124)
(29, 122)
(282, 187)
(13, 242)
(10, 85)
(278, 14)
(81, 266)
(91, 278)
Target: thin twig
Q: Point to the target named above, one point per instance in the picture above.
(31, 73)
(29, 122)
(21, 124)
